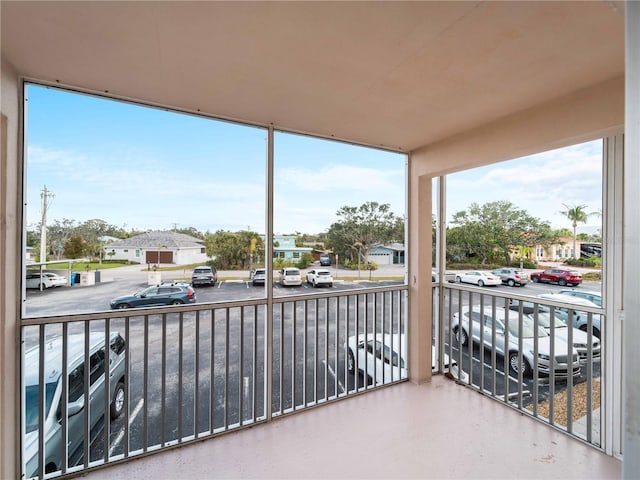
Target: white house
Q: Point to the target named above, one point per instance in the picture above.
(159, 247)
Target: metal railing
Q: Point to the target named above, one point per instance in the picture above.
(526, 352)
(182, 373)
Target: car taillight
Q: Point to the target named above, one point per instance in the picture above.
(190, 292)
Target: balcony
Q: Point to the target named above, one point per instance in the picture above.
(401, 431)
(197, 379)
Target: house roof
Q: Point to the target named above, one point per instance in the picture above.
(400, 75)
(158, 239)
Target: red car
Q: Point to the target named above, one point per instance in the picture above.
(557, 275)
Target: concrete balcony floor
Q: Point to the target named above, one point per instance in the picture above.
(436, 430)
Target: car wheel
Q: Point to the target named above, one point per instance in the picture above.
(351, 362)
(511, 282)
(331, 285)
(314, 284)
(117, 405)
(176, 302)
(535, 279)
(254, 283)
(562, 282)
(513, 364)
(123, 305)
(461, 336)
(458, 280)
(480, 283)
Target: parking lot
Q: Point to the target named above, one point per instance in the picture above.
(172, 410)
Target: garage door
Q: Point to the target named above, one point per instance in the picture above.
(163, 255)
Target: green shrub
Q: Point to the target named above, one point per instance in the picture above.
(305, 260)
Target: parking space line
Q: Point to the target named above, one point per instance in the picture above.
(120, 436)
(334, 375)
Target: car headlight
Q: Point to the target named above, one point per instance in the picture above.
(542, 356)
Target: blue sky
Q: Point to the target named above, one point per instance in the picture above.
(149, 169)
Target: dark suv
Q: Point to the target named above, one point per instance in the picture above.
(204, 276)
(164, 294)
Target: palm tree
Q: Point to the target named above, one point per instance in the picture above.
(577, 214)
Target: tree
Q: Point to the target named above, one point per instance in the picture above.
(523, 252)
(576, 214)
(75, 247)
(361, 229)
(494, 229)
(234, 249)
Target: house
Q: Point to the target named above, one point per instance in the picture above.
(558, 251)
(454, 85)
(285, 248)
(158, 247)
(392, 254)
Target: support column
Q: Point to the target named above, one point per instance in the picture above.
(420, 296)
(631, 295)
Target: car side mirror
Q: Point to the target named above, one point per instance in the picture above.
(75, 407)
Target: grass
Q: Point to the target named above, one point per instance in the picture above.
(82, 266)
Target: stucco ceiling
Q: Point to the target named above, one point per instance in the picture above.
(397, 74)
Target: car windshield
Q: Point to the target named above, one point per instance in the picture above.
(31, 404)
(544, 320)
(528, 328)
(202, 270)
(292, 272)
(324, 273)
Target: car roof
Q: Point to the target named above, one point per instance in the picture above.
(561, 297)
(53, 355)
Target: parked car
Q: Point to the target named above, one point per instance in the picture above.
(319, 276)
(47, 279)
(325, 260)
(172, 294)
(76, 403)
(290, 276)
(448, 276)
(594, 297)
(258, 276)
(561, 276)
(580, 339)
(381, 356)
(566, 360)
(580, 318)
(479, 278)
(204, 275)
(512, 276)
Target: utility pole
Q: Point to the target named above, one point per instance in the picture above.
(45, 195)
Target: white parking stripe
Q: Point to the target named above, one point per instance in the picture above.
(334, 374)
(132, 417)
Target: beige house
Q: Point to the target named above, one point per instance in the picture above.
(557, 252)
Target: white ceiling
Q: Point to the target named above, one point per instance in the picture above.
(397, 74)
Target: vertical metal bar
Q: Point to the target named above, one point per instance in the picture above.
(107, 388)
(163, 406)
(64, 398)
(505, 351)
(356, 300)
(294, 343)
(86, 380)
(536, 347)
(482, 327)
(326, 350)
(145, 387)
(305, 326)
(226, 369)
(335, 347)
(521, 359)
(470, 340)
(589, 368)
(196, 381)
(180, 372)
(127, 399)
(374, 311)
(281, 373)
(212, 371)
(241, 369)
(315, 354)
(391, 335)
(552, 356)
(41, 402)
(569, 376)
(255, 363)
(345, 370)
